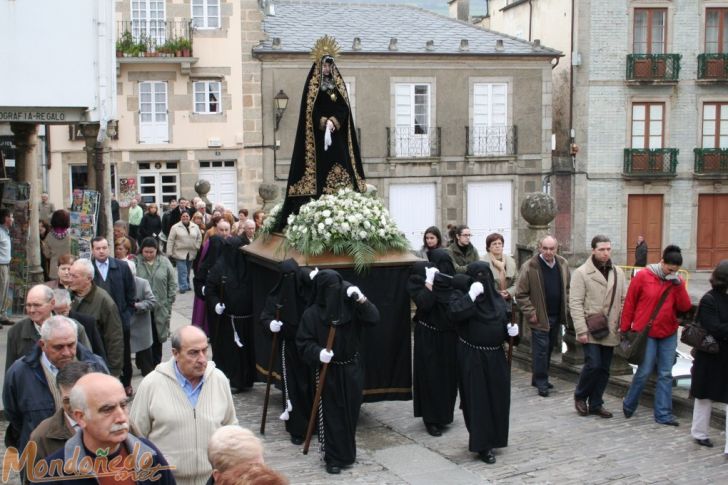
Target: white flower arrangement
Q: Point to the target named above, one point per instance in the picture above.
(348, 222)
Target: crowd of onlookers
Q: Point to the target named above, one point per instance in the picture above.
(67, 393)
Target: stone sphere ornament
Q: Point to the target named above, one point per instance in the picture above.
(538, 209)
(202, 187)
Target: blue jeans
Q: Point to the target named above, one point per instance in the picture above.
(594, 375)
(183, 271)
(660, 352)
(542, 344)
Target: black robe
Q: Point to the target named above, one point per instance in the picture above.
(286, 302)
(342, 393)
(315, 171)
(484, 377)
(434, 367)
(229, 282)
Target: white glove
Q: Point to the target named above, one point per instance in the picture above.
(512, 329)
(327, 135)
(430, 274)
(354, 290)
(203, 291)
(219, 308)
(475, 290)
(313, 273)
(275, 326)
(325, 356)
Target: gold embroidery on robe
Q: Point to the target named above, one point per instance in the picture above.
(337, 178)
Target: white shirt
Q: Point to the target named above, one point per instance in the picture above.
(103, 267)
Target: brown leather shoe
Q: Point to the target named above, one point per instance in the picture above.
(580, 406)
(602, 413)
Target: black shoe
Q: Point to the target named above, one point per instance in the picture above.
(550, 386)
(333, 469)
(601, 412)
(543, 392)
(672, 422)
(627, 414)
(296, 440)
(706, 442)
(433, 429)
(487, 456)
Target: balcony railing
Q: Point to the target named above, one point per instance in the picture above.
(154, 38)
(711, 161)
(713, 66)
(491, 141)
(659, 162)
(653, 67)
(413, 142)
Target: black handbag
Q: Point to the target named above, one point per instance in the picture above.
(694, 335)
(633, 344)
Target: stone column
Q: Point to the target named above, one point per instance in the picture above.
(26, 167)
(98, 157)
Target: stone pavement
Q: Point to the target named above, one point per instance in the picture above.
(548, 443)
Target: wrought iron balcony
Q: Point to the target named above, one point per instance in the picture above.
(713, 67)
(711, 161)
(653, 67)
(491, 141)
(413, 142)
(659, 162)
(154, 38)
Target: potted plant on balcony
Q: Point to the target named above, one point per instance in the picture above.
(124, 44)
(168, 48)
(185, 45)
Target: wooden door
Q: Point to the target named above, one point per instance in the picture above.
(712, 231)
(644, 217)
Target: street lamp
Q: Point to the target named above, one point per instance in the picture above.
(280, 101)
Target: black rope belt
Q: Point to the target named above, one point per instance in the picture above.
(430, 327)
(346, 362)
(481, 347)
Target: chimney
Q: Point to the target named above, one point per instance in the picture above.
(459, 9)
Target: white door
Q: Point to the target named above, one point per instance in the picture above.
(412, 120)
(490, 104)
(153, 126)
(412, 206)
(490, 210)
(223, 178)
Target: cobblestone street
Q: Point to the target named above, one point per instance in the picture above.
(548, 443)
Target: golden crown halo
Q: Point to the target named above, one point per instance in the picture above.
(325, 46)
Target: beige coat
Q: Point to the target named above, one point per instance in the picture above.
(591, 293)
(511, 272)
(183, 244)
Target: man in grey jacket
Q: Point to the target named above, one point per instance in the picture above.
(542, 295)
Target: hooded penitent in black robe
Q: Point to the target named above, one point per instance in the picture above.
(315, 171)
(286, 302)
(342, 392)
(228, 282)
(433, 368)
(484, 375)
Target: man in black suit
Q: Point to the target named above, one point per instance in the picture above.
(114, 276)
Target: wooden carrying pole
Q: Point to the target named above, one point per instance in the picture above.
(269, 378)
(319, 389)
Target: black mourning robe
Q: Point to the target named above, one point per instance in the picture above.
(434, 365)
(286, 302)
(484, 377)
(315, 171)
(342, 393)
(229, 282)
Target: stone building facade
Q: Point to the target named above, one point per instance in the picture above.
(454, 121)
(651, 122)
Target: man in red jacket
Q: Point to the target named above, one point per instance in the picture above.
(643, 296)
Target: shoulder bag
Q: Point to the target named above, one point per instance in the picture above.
(694, 335)
(598, 323)
(633, 344)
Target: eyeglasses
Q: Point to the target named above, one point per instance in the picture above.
(466, 235)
